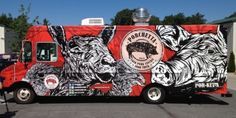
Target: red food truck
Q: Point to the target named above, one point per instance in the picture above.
(141, 60)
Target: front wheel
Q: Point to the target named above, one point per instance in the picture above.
(154, 95)
(24, 95)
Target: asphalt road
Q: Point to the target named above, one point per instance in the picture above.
(199, 106)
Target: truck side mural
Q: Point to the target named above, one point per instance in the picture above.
(120, 61)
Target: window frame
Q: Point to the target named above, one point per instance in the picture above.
(50, 43)
(23, 51)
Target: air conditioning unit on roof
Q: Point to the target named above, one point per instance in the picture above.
(92, 21)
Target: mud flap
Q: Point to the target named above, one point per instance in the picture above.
(228, 94)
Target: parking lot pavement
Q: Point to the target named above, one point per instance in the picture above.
(199, 106)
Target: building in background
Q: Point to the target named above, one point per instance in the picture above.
(7, 38)
(230, 25)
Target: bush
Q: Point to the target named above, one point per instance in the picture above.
(231, 64)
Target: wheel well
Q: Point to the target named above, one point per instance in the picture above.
(20, 84)
(154, 84)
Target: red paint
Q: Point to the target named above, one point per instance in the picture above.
(102, 87)
(167, 54)
(200, 29)
(39, 34)
(136, 90)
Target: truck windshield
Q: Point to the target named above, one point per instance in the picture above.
(27, 52)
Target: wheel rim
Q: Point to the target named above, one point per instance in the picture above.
(23, 94)
(154, 93)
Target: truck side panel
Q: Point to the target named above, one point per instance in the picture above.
(122, 60)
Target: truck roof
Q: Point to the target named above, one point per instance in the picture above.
(37, 33)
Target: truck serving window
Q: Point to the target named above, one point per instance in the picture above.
(47, 52)
(27, 53)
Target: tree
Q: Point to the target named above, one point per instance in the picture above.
(231, 64)
(197, 18)
(123, 17)
(232, 15)
(46, 22)
(6, 20)
(36, 21)
(20, 25)
(177, 19)
(154, 20)
(180, 19)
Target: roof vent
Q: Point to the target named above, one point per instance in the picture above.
(141, 16)
(92, 21)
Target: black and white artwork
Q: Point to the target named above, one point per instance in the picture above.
(198, 58)
(144, 47)
(87, 61)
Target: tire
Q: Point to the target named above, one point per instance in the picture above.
(24, 95)
(154, 95)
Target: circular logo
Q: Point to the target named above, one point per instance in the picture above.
(51, 81)
(141, 49)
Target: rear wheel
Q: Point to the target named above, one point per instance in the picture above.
(154, 95)
(24, 95)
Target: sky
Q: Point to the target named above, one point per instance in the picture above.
(71, 12)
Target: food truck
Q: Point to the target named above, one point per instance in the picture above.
(133, 60)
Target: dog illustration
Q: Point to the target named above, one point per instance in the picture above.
(144, 47)
(199, 57)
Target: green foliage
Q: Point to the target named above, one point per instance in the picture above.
(46, 22)
(19, 24)
(36, 21)
(123, 17)
(6, 20)
(197, 18)
(174, 19)
(231, 64)
(232, 15)
(180, 19)
(154, 20)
